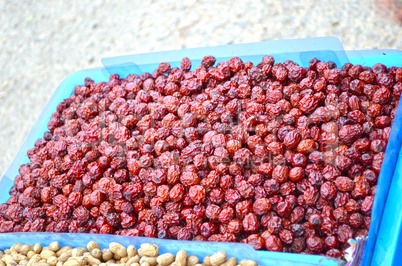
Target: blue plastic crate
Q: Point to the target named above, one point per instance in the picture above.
(302, 50)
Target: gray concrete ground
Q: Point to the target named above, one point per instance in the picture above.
(41, 42)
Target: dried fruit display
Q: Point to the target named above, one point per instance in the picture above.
(281, 157)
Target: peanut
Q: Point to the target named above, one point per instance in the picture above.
(63, 250)
(106, 254)
(23, 262)
(18, 257)
(246, 262)
(96, 253)
(71, 263)
(165, 259)
(25, 249)
(134, 259)
(92, 245)
(65, 256)
(37, 248)
(192, 260)
(52, 260)
(16, 247)
(78, 252)
(45, 254)
(218, 258)
(54, 246)
(92, 261)
(150, 260)
(119, 250)
(181, 258)
(111, 261)
(81, 260)
(35, 259)
(207, 260)
(8, 259)
(149, 250)
(230, 262)
(30, 254)
(131, 251)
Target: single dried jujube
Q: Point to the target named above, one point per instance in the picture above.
(282, 157)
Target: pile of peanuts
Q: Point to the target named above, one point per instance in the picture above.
(116, 254)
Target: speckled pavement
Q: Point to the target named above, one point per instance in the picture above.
(41, 42)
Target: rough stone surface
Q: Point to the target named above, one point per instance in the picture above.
(43, 41)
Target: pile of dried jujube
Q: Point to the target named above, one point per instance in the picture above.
(278, 156)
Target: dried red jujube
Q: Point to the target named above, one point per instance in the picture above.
(278, 156)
